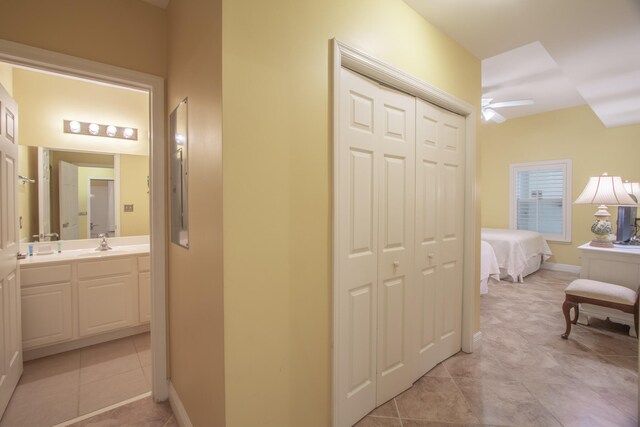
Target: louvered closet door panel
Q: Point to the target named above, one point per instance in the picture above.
(357, 221)
(396, 242)
(439, 227)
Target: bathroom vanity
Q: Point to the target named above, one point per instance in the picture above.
(82, 297)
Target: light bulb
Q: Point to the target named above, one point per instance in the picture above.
(74, 126)
(128, 133)
(94, 129)
(111, 130)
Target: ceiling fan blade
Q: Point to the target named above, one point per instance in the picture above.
(486, 101)
(498, 118)
(515, 103)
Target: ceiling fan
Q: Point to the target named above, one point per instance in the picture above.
(490, 114)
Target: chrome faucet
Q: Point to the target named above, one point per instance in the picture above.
(104, 246)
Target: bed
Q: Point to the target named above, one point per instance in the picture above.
(488, 266)
(519, 252)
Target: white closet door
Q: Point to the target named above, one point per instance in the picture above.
(439, 231)
(357, 265)
(396, 175)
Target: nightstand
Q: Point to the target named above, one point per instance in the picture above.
(617, 265)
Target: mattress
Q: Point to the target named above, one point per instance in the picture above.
(519, 252)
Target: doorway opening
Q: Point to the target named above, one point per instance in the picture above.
(98, 200)
(101, 208)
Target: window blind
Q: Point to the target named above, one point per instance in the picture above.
(540, 196)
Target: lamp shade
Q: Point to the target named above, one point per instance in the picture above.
(633, 188)
(605, 190)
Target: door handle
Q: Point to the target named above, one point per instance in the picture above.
(396, 264)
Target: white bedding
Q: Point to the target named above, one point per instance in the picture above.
(488, 266)
(515, 248)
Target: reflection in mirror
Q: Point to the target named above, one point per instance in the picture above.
(179, 172)
(78, 195)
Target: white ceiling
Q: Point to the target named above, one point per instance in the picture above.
(561, 53)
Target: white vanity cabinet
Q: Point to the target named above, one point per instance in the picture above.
(80, 301)
(107, 295)
(144, 289)
(47, 305)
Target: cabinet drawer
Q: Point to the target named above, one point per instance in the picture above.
(112, 267)
(47, 316)
(43, 275)
(144, 263)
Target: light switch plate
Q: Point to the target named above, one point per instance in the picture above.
(128, 208)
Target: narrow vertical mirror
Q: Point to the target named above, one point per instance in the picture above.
(179, 172)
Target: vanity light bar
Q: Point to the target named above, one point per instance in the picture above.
(95, 129)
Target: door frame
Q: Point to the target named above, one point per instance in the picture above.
(28, 56)
(115, 204)
(362, 63)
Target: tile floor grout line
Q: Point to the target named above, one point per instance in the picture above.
(395, 403)
(466, 400)
(541, 404)
(102, 410)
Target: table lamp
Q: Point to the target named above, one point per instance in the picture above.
(604, 190)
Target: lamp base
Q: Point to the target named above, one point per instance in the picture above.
(601, 244)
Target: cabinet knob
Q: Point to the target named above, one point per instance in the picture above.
(396, 264)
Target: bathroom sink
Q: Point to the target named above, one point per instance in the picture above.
(100, 254)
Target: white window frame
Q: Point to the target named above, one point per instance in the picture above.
(566, 167)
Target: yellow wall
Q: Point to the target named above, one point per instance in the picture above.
(277, 187)
(134, 171)
(196, 322)
(6, 77)
(84, 173)
(46, 100)
(126, 33)
(574, 133)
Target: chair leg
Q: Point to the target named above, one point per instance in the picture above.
(566, 310)
(576, 313)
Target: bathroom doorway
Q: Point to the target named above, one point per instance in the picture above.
(136, 349)
(101, 209)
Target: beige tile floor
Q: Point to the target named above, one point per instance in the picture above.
(525, 374)
(64, 386)
(144, 412)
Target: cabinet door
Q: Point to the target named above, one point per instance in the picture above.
(46, 314)
(106, 304)
(144, 293)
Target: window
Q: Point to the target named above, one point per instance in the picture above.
(541, 198)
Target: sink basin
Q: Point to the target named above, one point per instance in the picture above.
(100, 254)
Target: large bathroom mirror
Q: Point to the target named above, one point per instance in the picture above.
(179, 174)
(75, 195)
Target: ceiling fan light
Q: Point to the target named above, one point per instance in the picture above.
(487, 114)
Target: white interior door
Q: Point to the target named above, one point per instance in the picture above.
(68, 201)
(10, 334)
(376, 220)
(440, 137)
(395, 121)
(44, 192)
(356, 298)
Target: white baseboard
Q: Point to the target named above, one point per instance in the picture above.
(178, 408)
(477, 340)
(567, 268)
